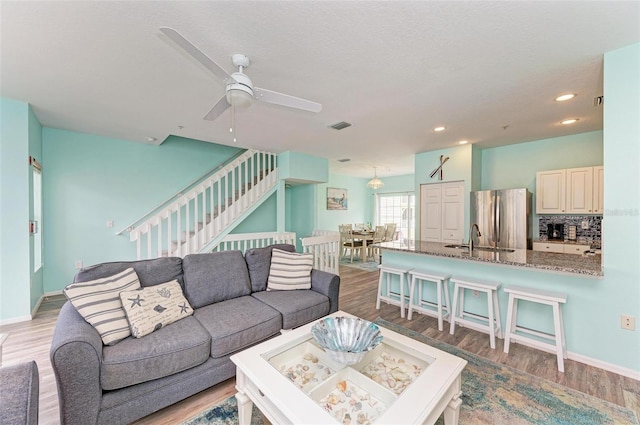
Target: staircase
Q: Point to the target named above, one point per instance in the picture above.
(198, 219)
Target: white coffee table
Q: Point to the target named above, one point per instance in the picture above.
(292, 381)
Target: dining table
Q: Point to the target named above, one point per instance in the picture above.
(365, 236)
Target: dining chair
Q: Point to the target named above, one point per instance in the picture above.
(348, 242)
(390, 232)
(378, 236)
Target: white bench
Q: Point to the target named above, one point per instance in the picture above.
(553, 299)
(384, 290)
(491, 324)
(429, 308)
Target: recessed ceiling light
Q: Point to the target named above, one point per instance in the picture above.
(565, 97)
(570, 121)
(439, 128)
(463, 142)
(151, 139)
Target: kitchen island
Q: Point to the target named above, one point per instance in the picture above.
(585, 265)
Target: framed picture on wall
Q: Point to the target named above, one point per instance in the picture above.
(337, 199)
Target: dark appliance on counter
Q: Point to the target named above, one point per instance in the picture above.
(502, 217)
(555, 231)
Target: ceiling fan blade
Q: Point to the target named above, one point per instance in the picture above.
(188, 47)
(217, 109)
(276, 98)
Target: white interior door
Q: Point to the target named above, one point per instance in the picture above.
(431, 212)
(453, 212)
(442, 212)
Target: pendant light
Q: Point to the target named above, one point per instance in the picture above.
(375, 182)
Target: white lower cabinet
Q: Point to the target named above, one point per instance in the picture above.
(560, 248)
(548, 247)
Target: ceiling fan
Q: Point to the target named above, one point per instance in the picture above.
(240, 91)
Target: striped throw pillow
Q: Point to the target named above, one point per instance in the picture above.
(289, 270)
(98, 301)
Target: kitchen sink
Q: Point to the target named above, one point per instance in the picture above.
(457, 246)
(490, 248)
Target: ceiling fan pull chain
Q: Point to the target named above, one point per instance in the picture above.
(232, 130)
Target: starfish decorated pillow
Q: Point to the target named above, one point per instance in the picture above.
(149, 309)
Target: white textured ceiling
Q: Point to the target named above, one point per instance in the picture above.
(394, 70)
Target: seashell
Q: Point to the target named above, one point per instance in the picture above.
(399, 375)
(333, 399)
(342, 386)
(363, 418)
(391, 382)
(376, 378)
(305, 368)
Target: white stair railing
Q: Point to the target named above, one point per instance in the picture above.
(207, 210)
(246, 241)
(325, 249)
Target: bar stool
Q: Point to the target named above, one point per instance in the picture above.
(389, 296)
(429, 308)
(554, 299)
(492, 326)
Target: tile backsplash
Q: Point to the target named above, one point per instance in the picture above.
(592, 235)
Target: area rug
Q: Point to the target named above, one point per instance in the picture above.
(493, 394)
(368, 266)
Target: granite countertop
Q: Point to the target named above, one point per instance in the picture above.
(590, 265)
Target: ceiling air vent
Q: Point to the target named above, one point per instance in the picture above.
(344, 160)
(598, 100)
(340, 125)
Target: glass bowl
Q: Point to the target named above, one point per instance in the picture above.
(345, 339)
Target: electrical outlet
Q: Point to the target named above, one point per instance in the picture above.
(628, 322)
(78, 264)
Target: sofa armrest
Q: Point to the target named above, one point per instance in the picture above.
(76, 357)
(326, 284)
(19, 392)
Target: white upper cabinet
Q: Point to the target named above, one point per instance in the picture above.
(598, 190)
(569, 191)
(550, 192)
(579, 190)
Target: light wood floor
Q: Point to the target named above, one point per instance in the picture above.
(32, 340)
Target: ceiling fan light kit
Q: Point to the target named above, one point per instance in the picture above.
(239, 91)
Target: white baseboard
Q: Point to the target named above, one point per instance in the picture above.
(629, 373)
(33, 311)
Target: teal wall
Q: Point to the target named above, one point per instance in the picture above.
(360, 202)
(302, 168)
(397, 184)
(35, 150)
(514, 166)
(263, 219)
(14, 210)
(459, 167)
(301, 210)
(91, 179)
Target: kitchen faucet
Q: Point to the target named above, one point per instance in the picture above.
(477, 231)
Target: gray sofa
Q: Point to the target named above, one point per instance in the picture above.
(118, 384)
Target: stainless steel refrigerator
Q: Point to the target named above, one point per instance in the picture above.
(502, 217)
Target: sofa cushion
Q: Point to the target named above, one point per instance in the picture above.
(289, 271)
(259, 261)
(98, 302)
(150, 272)
(297, 307)
(215, 277)
(174, 348)
(238, 323)
(149, 309)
